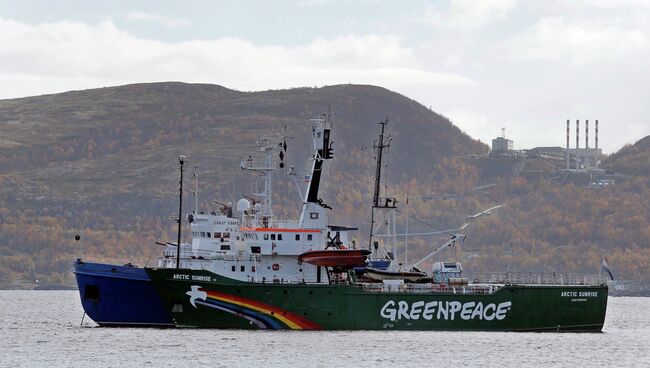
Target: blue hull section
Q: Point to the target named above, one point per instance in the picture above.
(115, 295)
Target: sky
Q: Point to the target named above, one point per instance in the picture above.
(527, 66)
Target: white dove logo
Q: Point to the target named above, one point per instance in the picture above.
(195, 294)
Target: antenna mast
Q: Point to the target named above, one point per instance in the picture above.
(181, 160)
(406, 240)
(268, 147)
(196, 190)
(379, 147)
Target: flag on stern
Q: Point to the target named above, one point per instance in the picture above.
(605, 266)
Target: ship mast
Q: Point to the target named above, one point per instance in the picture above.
(322, 151)
(196, 190)
(379, 146)
(269, 147)
(181, 160)
(313, 213)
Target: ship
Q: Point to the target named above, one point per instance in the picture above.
(304, 275)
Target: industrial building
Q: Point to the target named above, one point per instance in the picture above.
(579, 165)
(583, 158)
(501, 145)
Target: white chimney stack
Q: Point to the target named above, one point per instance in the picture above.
(567, 144)
(596, 154)
(577, 144)
(587, 144)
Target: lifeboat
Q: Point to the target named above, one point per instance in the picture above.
(335, 257)
(380, 275)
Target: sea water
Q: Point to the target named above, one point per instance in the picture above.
(43, 329)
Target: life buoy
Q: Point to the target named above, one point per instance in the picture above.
(275, 267)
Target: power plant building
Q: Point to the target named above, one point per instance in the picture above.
(588, 157)
(583, 158)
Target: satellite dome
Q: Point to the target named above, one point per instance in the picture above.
(243, 205)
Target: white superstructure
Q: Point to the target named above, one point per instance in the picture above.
(256, 246)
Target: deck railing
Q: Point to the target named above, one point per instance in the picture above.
(279, 223)
(539, 278)
(432, 288)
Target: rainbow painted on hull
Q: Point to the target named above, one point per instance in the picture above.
(262, 315)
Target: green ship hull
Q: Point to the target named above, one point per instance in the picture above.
(197, 298)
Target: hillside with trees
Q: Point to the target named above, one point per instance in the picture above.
(632, 159)
(103, 163)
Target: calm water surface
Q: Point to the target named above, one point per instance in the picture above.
(42, 329)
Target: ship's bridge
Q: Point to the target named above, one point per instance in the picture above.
(213, 233)
(281, 238)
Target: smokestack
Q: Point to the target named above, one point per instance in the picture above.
(577, 144)
(567, 144)
(596, 154)
(587, 144)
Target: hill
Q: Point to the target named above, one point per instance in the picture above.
(131, 131)
(631, 159)
(102, 161)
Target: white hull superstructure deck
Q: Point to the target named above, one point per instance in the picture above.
(264, 249)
